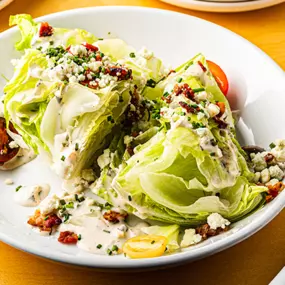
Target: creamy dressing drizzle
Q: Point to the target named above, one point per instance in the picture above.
(31, 196)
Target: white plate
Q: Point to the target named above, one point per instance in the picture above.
(4, 3)
(227, 6)
(257, 88)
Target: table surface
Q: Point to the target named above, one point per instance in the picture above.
(254, 261)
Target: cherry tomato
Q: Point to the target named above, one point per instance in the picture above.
(219, 76)
(145, 246)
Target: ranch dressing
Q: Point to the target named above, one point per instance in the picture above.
(31, 196)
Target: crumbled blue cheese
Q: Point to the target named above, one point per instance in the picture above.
(13, 144)
(279, 150)
(190, 238)
(144, 52)
(272, 182)
(276, 172)
(9, 181)
(49, 204)
(265, 175)
(104, 159)
(257, 176)
(213, 109)
(200, 96)
(215, 221)
(78, 50)
(259, 161)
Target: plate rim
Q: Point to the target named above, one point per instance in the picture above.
(223, 7)
(182, 257)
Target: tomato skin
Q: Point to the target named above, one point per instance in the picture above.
(219, 76)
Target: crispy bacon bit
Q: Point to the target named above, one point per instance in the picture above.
(188, 108)
(68, 237)
(6, 153)
(269, 157)
(90, 47)
(98, 57)
(121, 72)
(222, 107)
(45, 30)
(134, 134)
(44, 223)
(274, 190)
(202, 66)
(166, 99)
(205, 231)
(130, 150)
(221, 123)
(185, 90)
(87, 82)
(114, 217)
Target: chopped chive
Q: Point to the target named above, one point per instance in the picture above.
(76, 147)
(153, 242)
(114, 248)
(109, 251)
(51, 43)
(195, 90)
(179, 79)
(130, 198)
(46, 218)
(63, 158)
(106, 231)
(110, 119)
(99, 246)
(76, 197)
(100, 39)
(132, 54)
(18, 188)
(62, 202)
(79, 237)
(165, 94)
(151, 83)
(212, 154)
(70, 205)
(81, 199)
(66, 217)
(272, 145)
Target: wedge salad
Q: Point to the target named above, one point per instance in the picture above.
(147, 154)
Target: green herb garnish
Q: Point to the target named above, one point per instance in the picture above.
(130, 198)
(272, 145)
(179, 79)
(63, 158)
(198, 89)
(151, 83)
(114, 248)
(99, 246)
(132, 54)
(18, 188)
(79, 237)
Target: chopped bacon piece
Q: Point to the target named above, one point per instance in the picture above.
(90, 47)
(222, 107)
(114, 217)
(87, 82)
(185, 90)
(120, 72)
(274, 190)
(188, 108)
(6, 153)
(221, 123)
(45, 30)
(269, 157)
(44, 223)
(130, 150)
(166, 99)
(205, 231)
(202, 66)
(68, 237)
